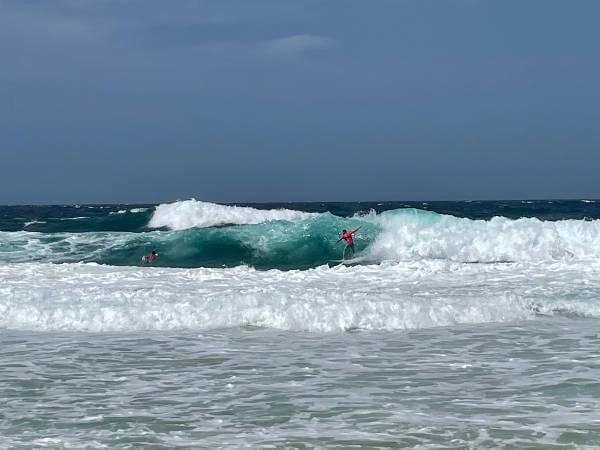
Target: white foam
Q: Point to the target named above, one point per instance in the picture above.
(33, 222)
(89, 297)
(409, 235)
(193, 213)
(24, 246)
(133, 211)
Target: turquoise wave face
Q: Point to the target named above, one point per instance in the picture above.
(275, 244)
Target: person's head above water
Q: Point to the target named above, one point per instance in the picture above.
(343, 231)
(154, 252)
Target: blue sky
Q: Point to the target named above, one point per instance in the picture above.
(158, 100)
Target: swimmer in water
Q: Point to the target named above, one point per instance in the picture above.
(150, 257)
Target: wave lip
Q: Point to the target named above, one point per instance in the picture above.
(192, 213)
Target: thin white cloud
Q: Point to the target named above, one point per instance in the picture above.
(295, 45)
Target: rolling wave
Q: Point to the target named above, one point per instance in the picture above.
(199, 234)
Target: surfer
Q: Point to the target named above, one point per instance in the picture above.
(347, 238)
(150, 257)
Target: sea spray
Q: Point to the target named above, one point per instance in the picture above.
(197, 214)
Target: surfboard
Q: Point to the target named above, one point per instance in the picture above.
(349, 262)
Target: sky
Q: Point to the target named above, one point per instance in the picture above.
(148, 101)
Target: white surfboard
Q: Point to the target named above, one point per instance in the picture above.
(349, 262)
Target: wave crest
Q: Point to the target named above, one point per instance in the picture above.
(192, 213)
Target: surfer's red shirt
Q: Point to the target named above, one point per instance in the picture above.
(347, 236)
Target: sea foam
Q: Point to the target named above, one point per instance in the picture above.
(193, 213)
(414, 234)
(90, 297)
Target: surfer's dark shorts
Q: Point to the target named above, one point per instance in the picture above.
(351, 246)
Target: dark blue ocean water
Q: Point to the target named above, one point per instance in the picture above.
(91, 218)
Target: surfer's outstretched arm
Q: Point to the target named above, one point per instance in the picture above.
(357, 229)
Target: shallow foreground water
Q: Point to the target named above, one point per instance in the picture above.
(521, 385)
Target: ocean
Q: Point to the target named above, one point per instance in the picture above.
(463, 325)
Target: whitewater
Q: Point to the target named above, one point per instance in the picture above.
(465, 325)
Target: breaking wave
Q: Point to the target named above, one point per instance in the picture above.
(200, 234)
(414, 234)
